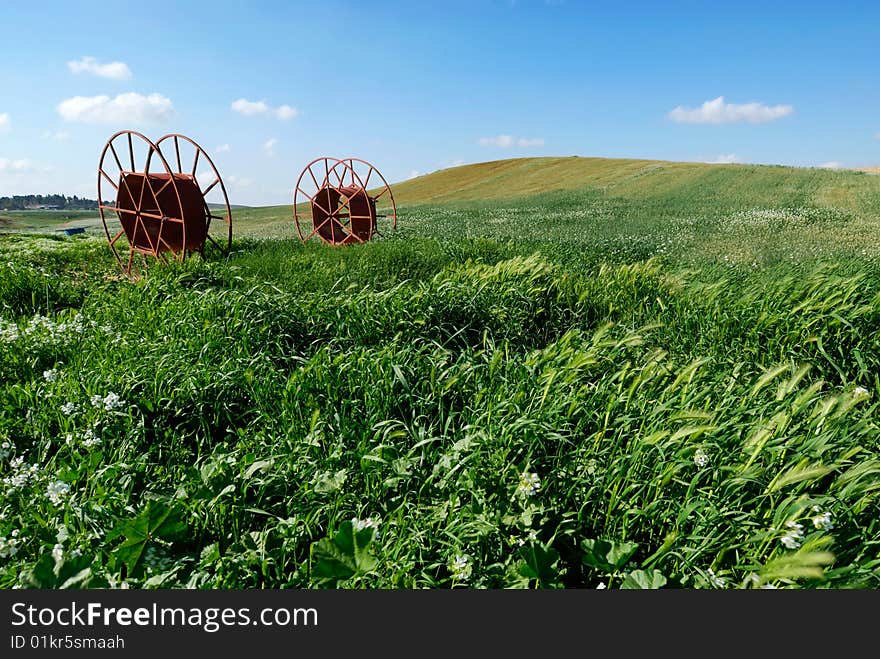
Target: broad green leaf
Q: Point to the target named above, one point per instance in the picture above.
(345, 555)
(539, 563)
(607, 556)
(158, 521)
(642, 580)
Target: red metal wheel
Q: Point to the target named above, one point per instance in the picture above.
(333, 201)
(203, 177)
(147, 204)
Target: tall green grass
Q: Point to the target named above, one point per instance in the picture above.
(487, 399)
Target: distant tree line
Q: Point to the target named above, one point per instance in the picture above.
(36, 201)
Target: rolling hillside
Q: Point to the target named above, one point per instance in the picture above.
(656, 183)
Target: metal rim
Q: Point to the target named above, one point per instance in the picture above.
(217, 180)
(122, 187)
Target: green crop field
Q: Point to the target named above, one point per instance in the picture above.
(557, 372)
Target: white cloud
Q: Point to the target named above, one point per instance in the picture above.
(286, 112)
(129, 108)
(112, 70)
(831, 164)
(240, 182)
(253, 108)
(58, 135)
(502, 141)
(506, 141)
(5, 121)
(249, 108)
(22, 165)
(717, 111)
(269, 146)
(725, 159)
(222, 148)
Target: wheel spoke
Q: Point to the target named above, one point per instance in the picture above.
(149, 184)
(151, 216)
(116, 158)
(131, 151)
(339, 178)
(162, 189)
(177, 150)
(312, 200)
(162, 240)
(117, 209)
(312, 174)
(210, 187)
(117, 237)
(216, 244)
(196, 162)
(110, 180)
(319, 227)
(153, 247)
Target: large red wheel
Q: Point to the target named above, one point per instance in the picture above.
(148, 208)
(194, 164)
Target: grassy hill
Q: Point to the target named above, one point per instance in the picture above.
(522, 177)
(684, 187)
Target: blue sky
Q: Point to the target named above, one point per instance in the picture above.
(413, 87)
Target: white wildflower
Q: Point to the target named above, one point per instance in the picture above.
(69, 409)
(529, 484)
(368, 523)
(57, 491)
(701, 458)
(51, 375)
(823, 521)
(601, 586)
(97, 400)
(9, 546)
(22, 473)
(714, 579)
(112, 401)
(792, 538)
(8, 331)
(5, 450)
(461, 568)
(860, 391)
(90, 439)
(58, 552)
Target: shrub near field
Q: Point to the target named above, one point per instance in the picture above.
(453, 409)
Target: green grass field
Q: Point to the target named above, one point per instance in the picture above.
(557, 372)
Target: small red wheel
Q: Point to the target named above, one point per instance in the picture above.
(333, 201)
(148, 204)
